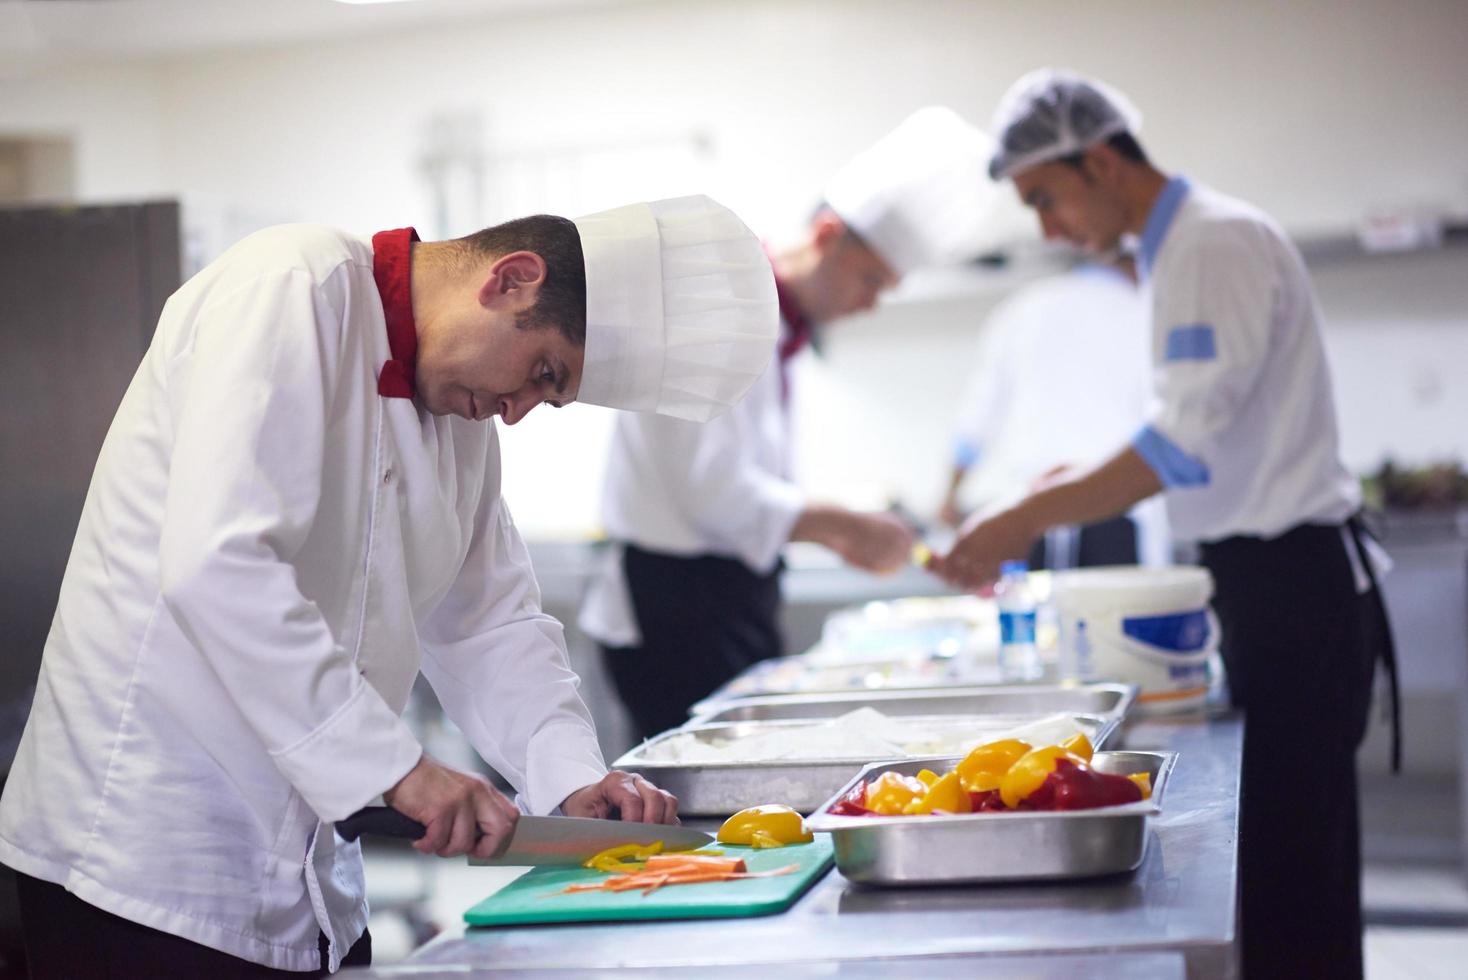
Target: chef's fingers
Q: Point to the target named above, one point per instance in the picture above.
(658, 806)
(436, 834)
(463, 831)
(495, 816)
(617, 787)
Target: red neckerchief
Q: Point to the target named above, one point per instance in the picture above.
(794, 316)
(796, 336)
(393, 270)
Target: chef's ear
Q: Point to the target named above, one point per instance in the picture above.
(1100, 164)
(826, 229)
(514, 273)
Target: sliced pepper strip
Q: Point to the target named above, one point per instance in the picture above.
(611, 858)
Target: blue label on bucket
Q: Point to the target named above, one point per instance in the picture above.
(1173, 633)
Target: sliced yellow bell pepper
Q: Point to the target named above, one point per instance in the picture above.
(946, 794)
(1079, 746)
(612, 858)
(771, 825)
(981, 770)
(891, 792)
(927, 777)
(1143, 780)
(1029, 773)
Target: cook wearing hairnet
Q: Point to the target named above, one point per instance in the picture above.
(689, 594)
(1242, 443)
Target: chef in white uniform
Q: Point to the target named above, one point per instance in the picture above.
(1063, 380)
(1242, 443)
(689, 594)
(295, 511)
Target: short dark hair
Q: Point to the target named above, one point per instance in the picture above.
(562, 301)
(1123, 143)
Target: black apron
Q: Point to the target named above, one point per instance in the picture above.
(1301, 647)
(703, 620)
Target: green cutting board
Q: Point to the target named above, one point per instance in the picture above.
(532, 897)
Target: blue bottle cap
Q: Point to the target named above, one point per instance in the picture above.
(1016, 566)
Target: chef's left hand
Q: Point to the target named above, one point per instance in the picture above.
(632, 796)
(983, 543)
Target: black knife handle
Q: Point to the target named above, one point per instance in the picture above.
(383, 821)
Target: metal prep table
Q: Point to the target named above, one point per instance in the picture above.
(1174, 916)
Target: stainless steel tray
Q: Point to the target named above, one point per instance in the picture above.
(802, 675)
(722, 788)
(993, 847)
(1033, 700)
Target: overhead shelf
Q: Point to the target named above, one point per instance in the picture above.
(1013, 266)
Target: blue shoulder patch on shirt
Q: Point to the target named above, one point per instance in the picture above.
(1194, 342)
(1173, 467)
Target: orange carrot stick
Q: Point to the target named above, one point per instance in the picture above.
(671, 862)
(685, 874)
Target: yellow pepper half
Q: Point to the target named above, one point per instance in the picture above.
(891, 792)
(771, 825)
(1079, 746)
(946, 794)
(1143, 780)
(1029, 773)
(983, 768)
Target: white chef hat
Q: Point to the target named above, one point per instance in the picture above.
(681, 314)
(919, 195)
(1051, 113)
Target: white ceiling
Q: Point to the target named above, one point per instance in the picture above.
(38, 33)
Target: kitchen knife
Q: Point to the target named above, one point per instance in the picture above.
(536, 840)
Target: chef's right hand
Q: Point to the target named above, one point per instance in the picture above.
(462, 812)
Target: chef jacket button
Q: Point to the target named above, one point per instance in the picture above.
(387, 475)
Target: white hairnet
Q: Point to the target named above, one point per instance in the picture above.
(1051, 113)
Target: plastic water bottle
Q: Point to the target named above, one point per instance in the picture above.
(1019, 658)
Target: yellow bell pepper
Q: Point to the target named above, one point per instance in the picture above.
(1030, 771)
(612, 859)
(927, 777)
(891, 792)
(771, 825)
(946, 794)
(1144, 781)
(982, 769)
(1079, 746)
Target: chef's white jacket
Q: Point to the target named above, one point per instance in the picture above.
(1064, 380)
(722, 487)
(268, 553)
(1243, 432)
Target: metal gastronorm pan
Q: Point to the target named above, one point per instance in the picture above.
(992, 847)
(722, 788)
(1033, 700)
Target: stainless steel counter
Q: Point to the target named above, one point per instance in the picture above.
(1179, 903)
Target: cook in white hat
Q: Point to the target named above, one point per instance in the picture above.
(689, 593)
(295, 511)
(1242, 443)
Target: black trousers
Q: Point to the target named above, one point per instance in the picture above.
(1301, 648)
(703, 620)
(68, 939)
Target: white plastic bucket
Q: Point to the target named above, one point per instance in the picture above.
(1146, 626)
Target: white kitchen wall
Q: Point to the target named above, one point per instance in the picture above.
(1318, 110)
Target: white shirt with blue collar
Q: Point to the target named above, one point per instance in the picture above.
(1242, 432)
